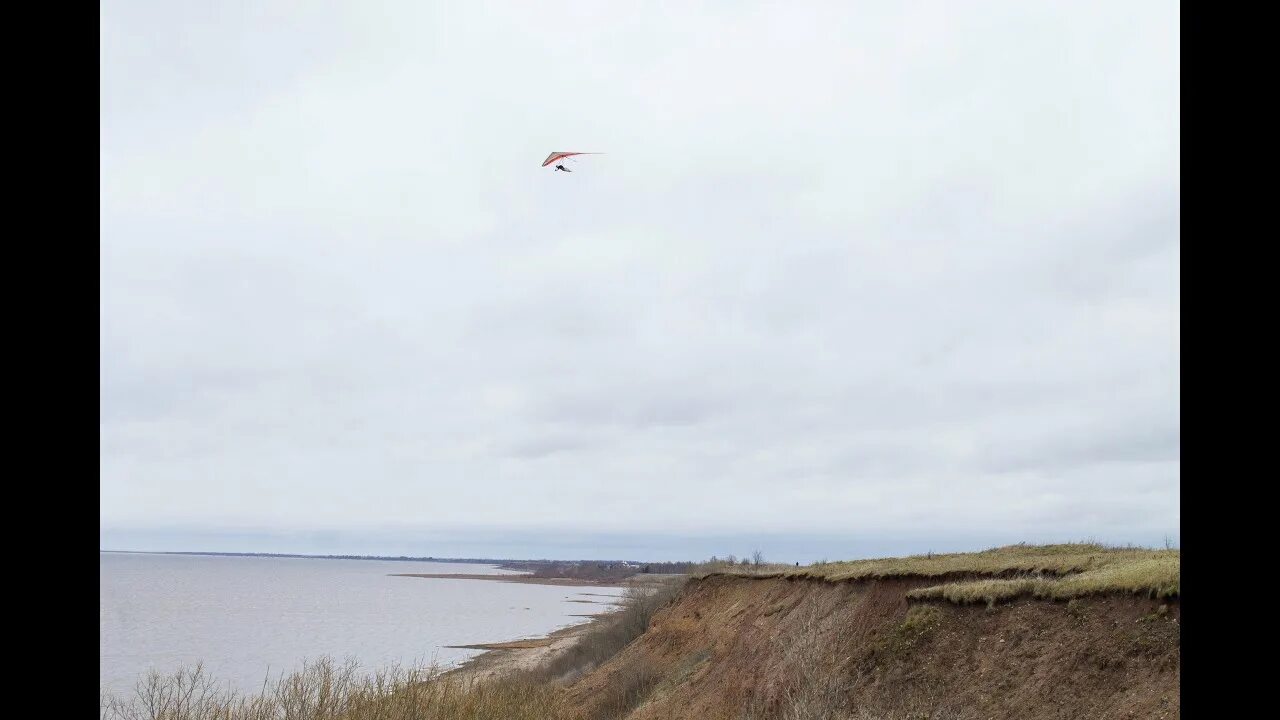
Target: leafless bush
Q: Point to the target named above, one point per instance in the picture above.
(325, 690)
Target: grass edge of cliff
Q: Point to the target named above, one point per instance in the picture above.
(1063, 571)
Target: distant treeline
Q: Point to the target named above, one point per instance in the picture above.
(622, 569)
(596, 569)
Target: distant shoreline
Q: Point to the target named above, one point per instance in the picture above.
(503, 658)
(524, 579)
(579, 573)
(528, 653)
(399, 558)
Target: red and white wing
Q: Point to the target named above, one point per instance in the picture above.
(553, 157)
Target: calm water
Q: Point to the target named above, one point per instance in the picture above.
(245, 617)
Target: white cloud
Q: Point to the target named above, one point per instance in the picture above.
(842, 266)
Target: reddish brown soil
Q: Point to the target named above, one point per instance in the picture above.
(731, 648)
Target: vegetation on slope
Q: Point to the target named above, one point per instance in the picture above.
(1156, 577)
(1056, 572)
(325, 690)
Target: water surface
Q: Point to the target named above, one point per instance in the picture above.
(247, 616)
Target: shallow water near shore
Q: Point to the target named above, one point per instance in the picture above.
(245, 617)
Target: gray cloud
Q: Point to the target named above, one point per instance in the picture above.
(843, 267)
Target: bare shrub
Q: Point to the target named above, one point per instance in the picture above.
(325, 690)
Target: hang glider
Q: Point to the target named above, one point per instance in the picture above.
(559, 157)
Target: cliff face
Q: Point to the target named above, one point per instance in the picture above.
(738, 648)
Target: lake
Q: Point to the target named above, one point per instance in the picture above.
(245, 617)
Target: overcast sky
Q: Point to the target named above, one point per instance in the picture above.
(850, 277)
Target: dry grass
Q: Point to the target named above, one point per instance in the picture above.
(1156, 577)
(326, 690)
(1057, 572)
(722, 567)
(626, 690)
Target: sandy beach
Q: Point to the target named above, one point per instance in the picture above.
(529, 653)
(516, 655)
(525, 579)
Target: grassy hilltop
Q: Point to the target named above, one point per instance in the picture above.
(1056, 572)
